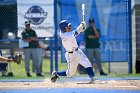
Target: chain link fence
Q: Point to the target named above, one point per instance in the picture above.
(111, 16)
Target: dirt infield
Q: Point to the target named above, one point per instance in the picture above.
(108, 84)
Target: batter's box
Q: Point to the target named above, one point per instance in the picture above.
(96, 82)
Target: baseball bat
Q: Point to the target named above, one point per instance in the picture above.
(83, 14)
(83, 11)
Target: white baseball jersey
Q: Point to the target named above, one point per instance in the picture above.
(69, 41)
(69, 38)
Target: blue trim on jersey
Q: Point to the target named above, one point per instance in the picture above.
(75, 33)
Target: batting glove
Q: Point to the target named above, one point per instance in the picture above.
(81, 27)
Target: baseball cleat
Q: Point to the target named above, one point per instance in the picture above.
(93, 80)
(103, 74)
(54, 76)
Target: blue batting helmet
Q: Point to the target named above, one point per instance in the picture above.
(63, 24)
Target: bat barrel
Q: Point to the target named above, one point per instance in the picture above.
(83, 6)
(83, 11)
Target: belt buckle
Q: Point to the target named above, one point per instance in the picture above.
(70, 52)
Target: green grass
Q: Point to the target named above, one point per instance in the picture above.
(19, 70)
(123, 75)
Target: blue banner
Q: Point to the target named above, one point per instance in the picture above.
(111, 18)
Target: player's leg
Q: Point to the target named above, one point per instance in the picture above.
(70, 71)
(72, 66)
(83, 60)
(37, 56)
(91, 57)
(27, 54)
(3, 67)
(98, 61)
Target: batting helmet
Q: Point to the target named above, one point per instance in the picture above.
(63, 24)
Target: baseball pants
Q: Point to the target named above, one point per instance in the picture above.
(36, 55)
(94, 57)
(73, 59)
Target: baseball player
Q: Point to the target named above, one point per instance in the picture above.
(74, 55)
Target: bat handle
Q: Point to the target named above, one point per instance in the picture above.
(83, 18)
(83, 11)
